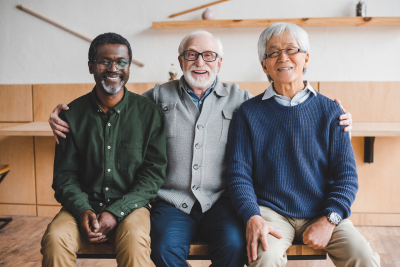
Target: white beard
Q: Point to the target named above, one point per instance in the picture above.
(112, 90)
(200, 82)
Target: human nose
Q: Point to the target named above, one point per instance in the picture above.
(200, 61)
(283, 55)
(113, 66)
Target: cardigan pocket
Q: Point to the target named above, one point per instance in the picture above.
(227, 116)
(169, 110)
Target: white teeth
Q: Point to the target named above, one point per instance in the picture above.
(116, 78)
(285, 69)
(200, 72)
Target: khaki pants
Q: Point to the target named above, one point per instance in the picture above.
(347, 247)
(62, 240)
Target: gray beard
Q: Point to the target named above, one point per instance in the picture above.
(112, 90)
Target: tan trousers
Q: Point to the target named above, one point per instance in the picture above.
(62, 240)
(347, 248)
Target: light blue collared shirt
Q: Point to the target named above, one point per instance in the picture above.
(299, 98)
(196, 100)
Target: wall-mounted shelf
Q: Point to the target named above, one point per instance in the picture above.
(304, 22)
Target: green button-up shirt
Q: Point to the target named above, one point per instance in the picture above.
(116, 159)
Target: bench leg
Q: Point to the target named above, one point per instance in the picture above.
(6, 221)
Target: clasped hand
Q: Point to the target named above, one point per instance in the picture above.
(96, 228)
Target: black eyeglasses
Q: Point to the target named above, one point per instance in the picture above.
(208, 56)
(288, 51)
(121, 64)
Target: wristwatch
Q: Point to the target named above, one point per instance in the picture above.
(334, 218)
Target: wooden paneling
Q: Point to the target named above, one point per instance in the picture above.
(13, 209)
(44, 154)
(376, 129)
(48, 211)
(37, 128)
(367, 101)
(256, 88)
(16, 103)
(379, 182)
(375, 219)
(139, 88)
(19, 184)
(47, 96)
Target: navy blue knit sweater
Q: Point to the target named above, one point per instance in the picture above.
(295, 160)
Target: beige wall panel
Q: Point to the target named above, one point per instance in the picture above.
(48, 211)
(379, 182)
(10, 209)
(19, 184)
(367, 101)
(47, 96)
(140, 88)
(44, 161)
(375, 219)
(16, 103)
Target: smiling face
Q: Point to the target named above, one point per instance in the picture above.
(110, 80)
(200, 74)
(285, 68)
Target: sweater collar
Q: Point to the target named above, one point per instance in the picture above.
(270, 92)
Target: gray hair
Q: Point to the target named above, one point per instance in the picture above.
(277, 29)
(220, 51)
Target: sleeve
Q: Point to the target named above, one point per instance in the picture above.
(240, 165)
(66, 179)
(150, 176)
(149, 95)
(342, 167)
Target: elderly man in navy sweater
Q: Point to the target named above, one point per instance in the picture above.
(292, 172)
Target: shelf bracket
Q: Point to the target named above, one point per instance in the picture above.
(369, 149)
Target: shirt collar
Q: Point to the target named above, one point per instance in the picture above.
(270, 92)
(116, 109)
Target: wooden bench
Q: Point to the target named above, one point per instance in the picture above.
(199, 251)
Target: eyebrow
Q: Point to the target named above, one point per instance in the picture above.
(275, 45)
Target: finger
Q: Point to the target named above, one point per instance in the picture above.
(253, 248)
(275, 233)
(60, 122)
(60, 134)
(249, 252)
(60, 128)
(338, 101)
(61, 107)
(98, 239)
(55, 137)
(264, 242)
(94, 235)
(95, 223)
(348, 128)
(345, 116)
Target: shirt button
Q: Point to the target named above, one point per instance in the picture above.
(196, 166)
(109, 170)
(200, 127)
(184, 205)
(109, 147)
(101, 204)
(108, 200)
(106, 188)
(195, 187)
(122, 213)
(200, 102)
(136, 205)
(118, 111)
(165, 108)
(198, 145)
(109, 124)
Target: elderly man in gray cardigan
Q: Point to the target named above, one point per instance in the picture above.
(194, 201)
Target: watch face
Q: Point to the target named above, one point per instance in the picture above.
(334, 217)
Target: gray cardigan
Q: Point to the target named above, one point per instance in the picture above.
(196, 142)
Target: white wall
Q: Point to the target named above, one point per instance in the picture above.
(33, 51)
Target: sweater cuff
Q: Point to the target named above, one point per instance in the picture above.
(250, 212)
(334, 209)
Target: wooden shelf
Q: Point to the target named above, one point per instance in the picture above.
(29, 129)
(374, 129)
(304, 22)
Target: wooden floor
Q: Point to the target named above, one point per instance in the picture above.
(20, 245)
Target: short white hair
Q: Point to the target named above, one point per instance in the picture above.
(220, 51)
(277, 29)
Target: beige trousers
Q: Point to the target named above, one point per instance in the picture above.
(347, 247)
(62, 240)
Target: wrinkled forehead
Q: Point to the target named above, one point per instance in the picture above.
(284, 38)
(201, 43)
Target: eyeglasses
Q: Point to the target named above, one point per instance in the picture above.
(121, 64)
(208, 56)
(288, 51)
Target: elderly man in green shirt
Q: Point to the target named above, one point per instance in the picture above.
(109, 166)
